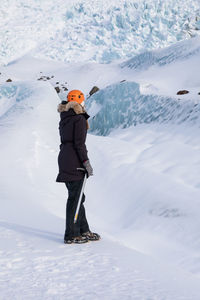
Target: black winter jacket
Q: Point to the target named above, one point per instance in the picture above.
(73, 152)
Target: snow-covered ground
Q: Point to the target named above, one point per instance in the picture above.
(35, 265)
(123, 205)
(139, 200)
(144, 197)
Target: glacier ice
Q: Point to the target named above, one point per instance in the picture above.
(122, 105)
(104, 31)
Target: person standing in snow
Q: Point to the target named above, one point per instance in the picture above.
(71, 159)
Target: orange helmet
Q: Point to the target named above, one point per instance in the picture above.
(76, 95)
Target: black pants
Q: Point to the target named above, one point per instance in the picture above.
(81, 226)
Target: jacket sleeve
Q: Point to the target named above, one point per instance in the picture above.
(80, 131)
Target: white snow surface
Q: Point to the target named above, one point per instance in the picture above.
(144, 197)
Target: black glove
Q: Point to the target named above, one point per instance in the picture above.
(88, 168)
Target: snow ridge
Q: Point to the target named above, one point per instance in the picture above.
(180, 51)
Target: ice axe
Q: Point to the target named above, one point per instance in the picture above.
(81, 194)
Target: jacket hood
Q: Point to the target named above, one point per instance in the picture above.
(78, 109)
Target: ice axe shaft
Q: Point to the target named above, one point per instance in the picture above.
(80, 196)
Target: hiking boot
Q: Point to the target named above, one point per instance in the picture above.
(91, 236)
(76, 240)
(69, 241)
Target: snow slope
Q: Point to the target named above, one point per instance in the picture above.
(152, 190)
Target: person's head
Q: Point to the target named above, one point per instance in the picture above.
(75, 95)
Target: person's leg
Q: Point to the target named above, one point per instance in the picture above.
(84, 227)
(81, 226)
(74, 188)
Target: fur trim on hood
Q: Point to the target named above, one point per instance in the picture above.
(78, 108)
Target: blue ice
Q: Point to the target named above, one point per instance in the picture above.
(122, 105)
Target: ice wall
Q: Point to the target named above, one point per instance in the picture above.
(122, 105)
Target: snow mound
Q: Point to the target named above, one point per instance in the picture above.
(103, 32)
(27, 122)
(123, 105)
(14, 97)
